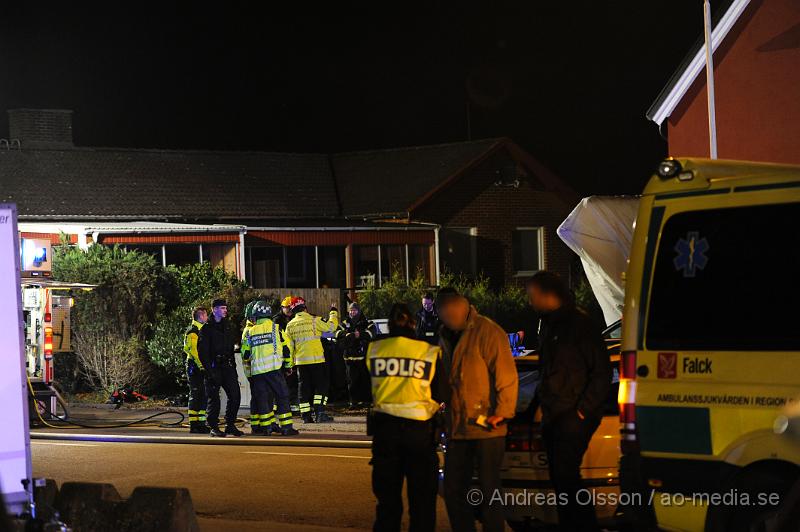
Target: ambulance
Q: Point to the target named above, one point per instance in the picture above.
(710, 353)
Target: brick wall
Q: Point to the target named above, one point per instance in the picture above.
(41, 128)
(496, 211)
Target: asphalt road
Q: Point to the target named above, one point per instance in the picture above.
(241, 488)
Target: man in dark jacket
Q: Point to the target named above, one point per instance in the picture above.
(354, 335)
(575, 382)
(428, 323)
(215, 347)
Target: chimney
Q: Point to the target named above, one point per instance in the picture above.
(41, 128)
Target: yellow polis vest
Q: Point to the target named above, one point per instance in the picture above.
(402, 370)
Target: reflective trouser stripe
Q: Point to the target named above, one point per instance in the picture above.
(197, 415)
(305, 407)
(318, 400)
(254, 420)
(285, 419)
(267, 419)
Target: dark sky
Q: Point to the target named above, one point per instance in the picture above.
(569, 81)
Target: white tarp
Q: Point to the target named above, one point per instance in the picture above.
(600, 231)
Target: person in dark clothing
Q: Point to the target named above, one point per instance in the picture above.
(354, 335)
(428, 323)
(404, 424)
(575, 381)
(215, 347)
(282, 318)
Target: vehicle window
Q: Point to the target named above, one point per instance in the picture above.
(529, 381)
(614, 332)
(724, 278)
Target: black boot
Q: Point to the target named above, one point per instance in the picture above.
(231, 430)
(215, 432)
(199, 428)
(257, 430)
(321, 416)
(288, 430)
(308, 418)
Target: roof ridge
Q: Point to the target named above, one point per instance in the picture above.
(420, 146)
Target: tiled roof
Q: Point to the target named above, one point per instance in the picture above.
(150, 184)
(389, 182)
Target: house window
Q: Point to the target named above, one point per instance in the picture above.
(528, 250)
(419, 262)
(331, 267)
(366, 264)
(393, 262)
(458, 250)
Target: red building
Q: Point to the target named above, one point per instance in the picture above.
(283, 220)
(756, 77)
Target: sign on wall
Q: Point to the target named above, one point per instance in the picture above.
(15, 453)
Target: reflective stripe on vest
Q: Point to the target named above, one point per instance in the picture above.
(401, 370)
(266, 348)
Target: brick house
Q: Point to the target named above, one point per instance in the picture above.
(283, 220)
(756, 53)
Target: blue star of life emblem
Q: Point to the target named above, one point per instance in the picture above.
(691, 254)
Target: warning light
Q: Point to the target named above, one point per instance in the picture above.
(48, 342)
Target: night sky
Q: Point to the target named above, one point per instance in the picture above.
(569, 81)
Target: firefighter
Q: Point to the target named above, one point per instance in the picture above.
(216, 349)
(196, 373)
(304, 339)
(264, 341)
(354, 335)
(282, 318)
(428, 323)
(408, 386)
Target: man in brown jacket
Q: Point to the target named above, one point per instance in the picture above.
(483, 394)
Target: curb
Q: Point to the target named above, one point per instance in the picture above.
(275, 441)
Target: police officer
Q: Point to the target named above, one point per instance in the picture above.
(407, 387)
(354, 335)
(304, 338)
(428, 323)
(215, 348)
(196, 373)
(264, 341)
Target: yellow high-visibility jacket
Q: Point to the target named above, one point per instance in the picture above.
(190, 342)
(244, 349)
(264, 341)
(402, 370)
(303, 337)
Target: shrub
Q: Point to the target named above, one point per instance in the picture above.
(107, 361)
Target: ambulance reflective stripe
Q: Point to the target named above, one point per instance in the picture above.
(402, 370)
(264, 342)
(304, 337)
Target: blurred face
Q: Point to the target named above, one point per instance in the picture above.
(427, 304)
(287, 310)
(353, 313)
(542, 302)
(220, 312)
(454, 313)
(202, 316)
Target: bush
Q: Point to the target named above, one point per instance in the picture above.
(195, 285)
(107, 361)
(504, 306)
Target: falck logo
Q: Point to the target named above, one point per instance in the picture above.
(667, 365)
(691, 254)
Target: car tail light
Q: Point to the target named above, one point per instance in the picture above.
(627, 403)
(522, 437)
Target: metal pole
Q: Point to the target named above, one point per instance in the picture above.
(712, 118)
(200, 252)
(380, 280)
(316, 264)
(408, 273)
(164, 255)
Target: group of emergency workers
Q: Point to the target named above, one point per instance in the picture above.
(445, 369)
(276, 349)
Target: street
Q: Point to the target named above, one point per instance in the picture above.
(241, 488)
